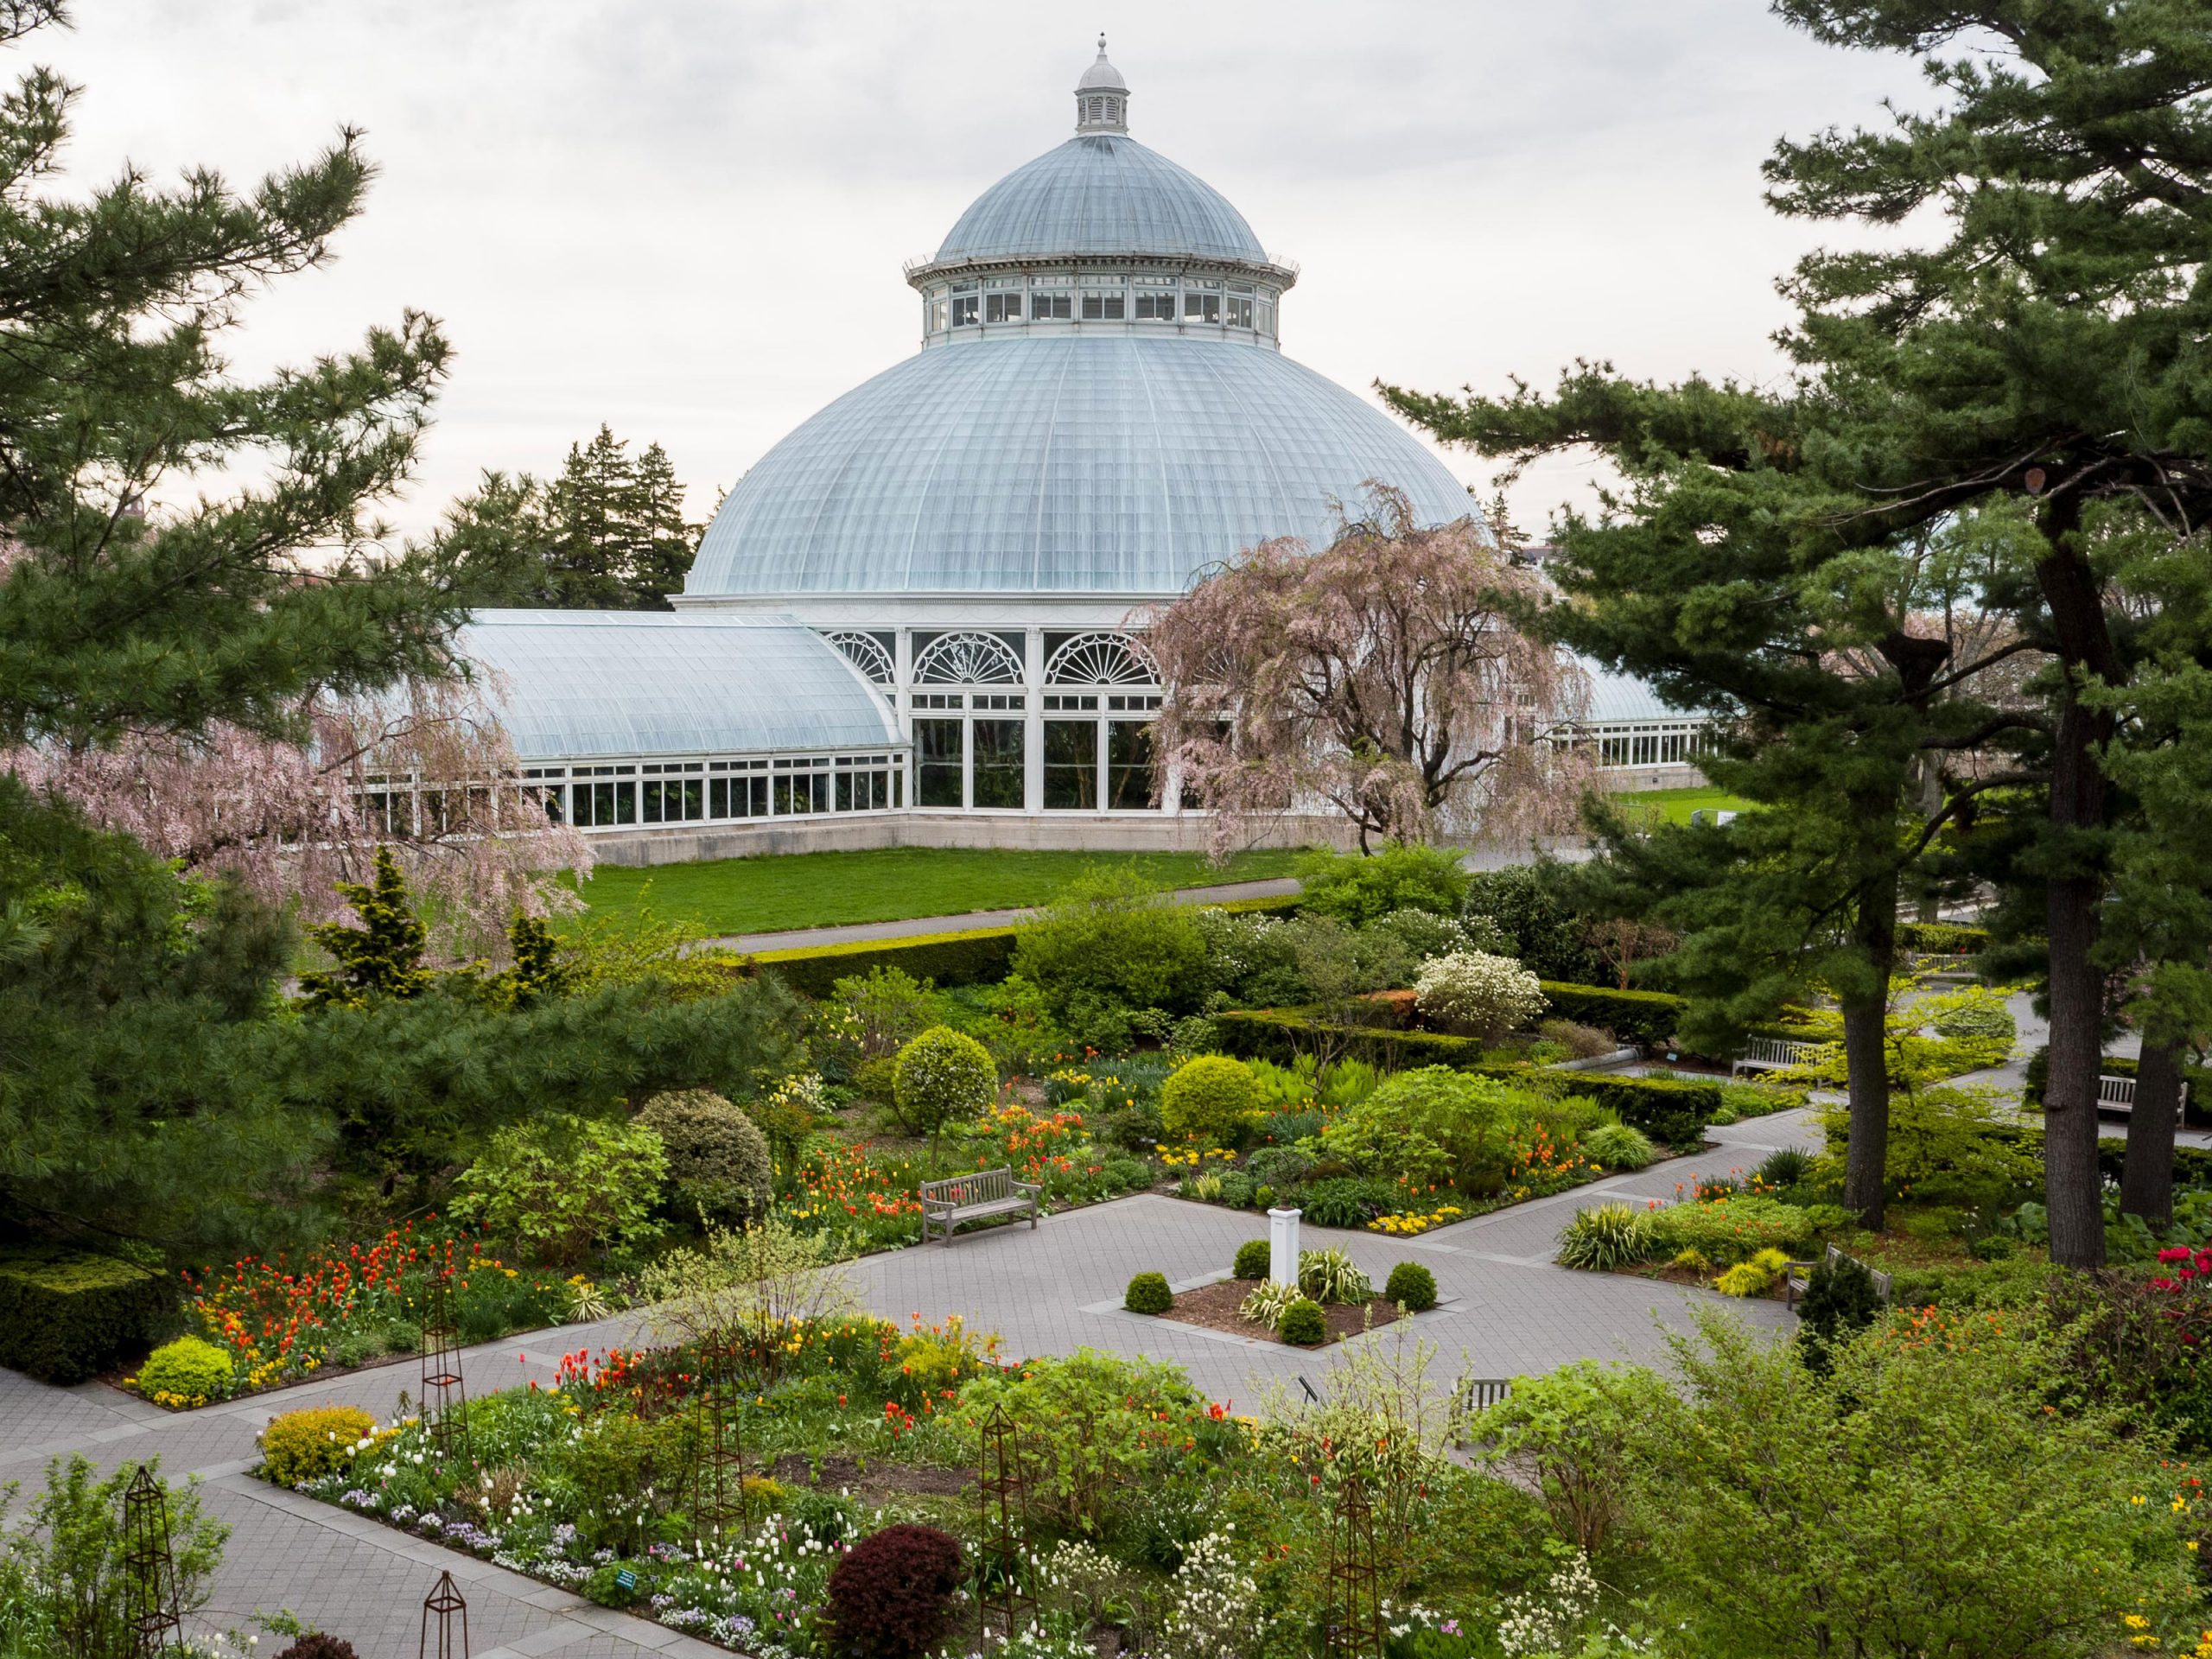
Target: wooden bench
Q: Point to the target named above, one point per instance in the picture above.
(946, 1204)
(1797, 1277)
(1773, 1054)
(2116, 1093)
(1475, 1394)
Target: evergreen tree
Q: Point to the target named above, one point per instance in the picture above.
(608, 533)
(2045, 354)
(382, 956)
(541, 966)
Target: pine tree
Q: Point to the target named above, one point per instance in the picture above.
(2043, 355)
(382, 956)
(541, 966)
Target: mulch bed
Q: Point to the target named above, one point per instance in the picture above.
(1215, 1308)
(877, 1480)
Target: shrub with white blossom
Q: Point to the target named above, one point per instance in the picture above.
(1486, 996)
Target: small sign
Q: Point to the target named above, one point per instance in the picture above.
(625, 1578)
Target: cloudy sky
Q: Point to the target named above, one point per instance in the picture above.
(686, 218)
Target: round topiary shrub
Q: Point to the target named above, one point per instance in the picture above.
(319, 1644)
(941, 1076)
(186, 1372)
(1304, 1325)
(1412, 1287)
(890, 1595)
(302, 1446)
(718, 1164)
(1148, 1294)
(1254, 1257)
(1208, 1099)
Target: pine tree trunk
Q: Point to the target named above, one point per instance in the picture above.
(2146, 1182)
(1865, 1051)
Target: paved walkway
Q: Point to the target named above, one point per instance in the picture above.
(1506, 1309)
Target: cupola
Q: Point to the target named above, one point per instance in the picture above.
(1102, 98)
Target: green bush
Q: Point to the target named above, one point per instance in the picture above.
(976, 955)
(1331, 1275)
(302, 1446)
(1568, 1436)
(1148, 1294)
(1303, 1324)
(1608, 1237)
(1348, 1202)
(1645, 1017)
(66, 1317)
(718, 1164)
(1524, 906)
(1208, 1099)
(187, 1372)
(1356, 889)
(1942, 940)
(556, 1187)
(1412, 1287)
(1432, 1124)
(1110, 946)
(1839, 1302)
(944, 1076)
(1618, 1146)
(1419, 934)
(1666, 1109)
(1728, 1231)
(1254, 1257)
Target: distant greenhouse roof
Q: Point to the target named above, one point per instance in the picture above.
(1619, 699)
(573, 685)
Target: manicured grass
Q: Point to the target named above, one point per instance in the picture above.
(771, 894)
(1675, 806)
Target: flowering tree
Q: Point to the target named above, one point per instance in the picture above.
(426, 771)
(1384, 675)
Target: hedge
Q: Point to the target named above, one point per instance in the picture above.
(65, 1317)
(1942, 938)
(1666, 1109)
(976, 955)
(1644, 1017)
(2197, 1110)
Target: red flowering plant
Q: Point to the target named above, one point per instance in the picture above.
(2143, 1339)
(282, 1319)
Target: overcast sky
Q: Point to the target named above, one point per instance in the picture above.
(686, 218)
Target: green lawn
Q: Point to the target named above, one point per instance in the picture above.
(1675, 806)
(771, 894)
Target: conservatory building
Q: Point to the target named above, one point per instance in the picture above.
(932, 583)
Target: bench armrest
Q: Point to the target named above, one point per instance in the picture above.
(1030, 1189)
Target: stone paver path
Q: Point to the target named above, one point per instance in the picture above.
(1506, 1309)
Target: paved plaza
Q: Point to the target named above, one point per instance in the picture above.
(1506, 1309)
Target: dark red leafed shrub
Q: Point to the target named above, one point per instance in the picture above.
(319, 1644)
(888, 1598)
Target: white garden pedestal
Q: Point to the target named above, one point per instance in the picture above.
(1283, 1245)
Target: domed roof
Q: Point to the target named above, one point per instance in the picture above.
(1101, 76)
(1101, 192)
(1120, 465)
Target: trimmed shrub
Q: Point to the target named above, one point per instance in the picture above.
(1663, 1108)
(187, 1372)
(308, 1445)
(1148, 1294)
(67, 1317)
(319, 1644)
(1645, 1017)
(1303, 1324)
(889, 1597)
(1618, 1146)
(1208, 1098)
(1356, 888)
(944, 1076)
(1253, 1256)
(1942, 938)
(1487, 995)
(718, 1160)
(1280, 1166)
(976, 956)
(1610, 1235)
(1412, 1287)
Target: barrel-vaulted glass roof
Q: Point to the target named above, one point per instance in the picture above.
(580, 685)
(1056, 464)
(1101, 192)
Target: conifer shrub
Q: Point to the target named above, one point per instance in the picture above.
(890, 1596)
(189, 1372)
(310, 1444)
(1839, 1302)
(1254, 1257)
(1148, 1294)
(1209, 1099)
(1411, 1286)
(1303, 1324)
(718, 1164)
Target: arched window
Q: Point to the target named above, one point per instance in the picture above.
(968, 659)
(868, 654)
(1101, 660)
